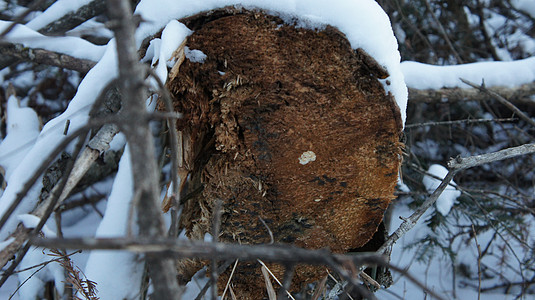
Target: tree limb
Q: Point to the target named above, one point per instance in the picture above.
(41, 56)
(149, 216)
(518, 94)
(65, 23)
(285, 254)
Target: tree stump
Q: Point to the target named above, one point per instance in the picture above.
(291, 130)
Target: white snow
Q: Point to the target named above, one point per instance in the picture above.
(172, 36)
(92, 27)
(196, 56)
(73, 46)
(424, 76)
(525, 5)
(52, 134)
(363, 22)
(31, 221)
(22, 130)
(56, 11)
(117, 273)
(446, 200)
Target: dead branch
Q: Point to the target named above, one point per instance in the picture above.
(46, 57)
(285, 254)
(518, 94)
(477, 160)
(139, 136)
(97, 145)
(455, 165)
(502, 100)
(466, 121)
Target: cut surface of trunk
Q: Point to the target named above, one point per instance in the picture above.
(292, 130)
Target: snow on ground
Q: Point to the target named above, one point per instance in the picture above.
(436, 272)
(424, 76)
(22, 130)
(446, 200)
(117, 273)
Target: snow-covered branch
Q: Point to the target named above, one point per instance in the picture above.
(46, 57)
(516, 94)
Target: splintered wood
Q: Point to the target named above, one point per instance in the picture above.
(291, 129)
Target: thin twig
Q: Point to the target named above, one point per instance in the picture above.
(478, 264)
(215, 238)
(138, 134)
(443, 32)
(457, 164)
(502, 100)
(229, 279)
(286, 281)
(173, 139)
(467, 121)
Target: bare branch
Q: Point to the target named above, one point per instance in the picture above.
(467, 121)
(455, 165)
(502, 100)
(477, 160)
(137, 132)
(443, 32)
(285, 254)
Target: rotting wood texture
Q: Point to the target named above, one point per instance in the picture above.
(287, 126)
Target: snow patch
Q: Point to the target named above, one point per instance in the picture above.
(173, 35)
(55, 12)
(196, 56)
(116, 271)
(424, 76)
(446, 200)
(22, 131)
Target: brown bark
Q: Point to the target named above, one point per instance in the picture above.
(267, 96)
